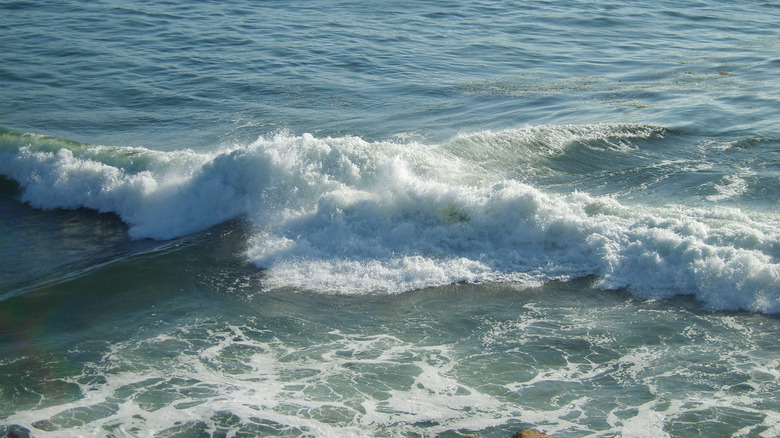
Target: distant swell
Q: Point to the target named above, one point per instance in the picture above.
(350, 216)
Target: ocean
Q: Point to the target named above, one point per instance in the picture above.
(389, 218)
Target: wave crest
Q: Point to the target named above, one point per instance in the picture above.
(351, 216)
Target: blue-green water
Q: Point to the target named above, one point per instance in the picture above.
(389, 218)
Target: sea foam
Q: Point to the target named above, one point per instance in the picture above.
(350, 216)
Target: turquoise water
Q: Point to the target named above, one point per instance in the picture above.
(389, 219)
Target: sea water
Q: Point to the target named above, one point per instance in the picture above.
(337, 218)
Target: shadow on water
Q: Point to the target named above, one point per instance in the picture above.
(39, 246)
(73, 276)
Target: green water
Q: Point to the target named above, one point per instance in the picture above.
(197, 353)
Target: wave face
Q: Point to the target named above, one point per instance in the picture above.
(350, 216)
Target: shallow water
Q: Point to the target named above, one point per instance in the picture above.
(202, 354)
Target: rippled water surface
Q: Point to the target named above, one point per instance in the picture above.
(389, 218)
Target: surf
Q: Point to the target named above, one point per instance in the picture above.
(350, 216)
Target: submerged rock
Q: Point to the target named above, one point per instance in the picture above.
(16, 431)
(530, 433)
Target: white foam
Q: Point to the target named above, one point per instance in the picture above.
(549, 367)
(285, 385)
(733, 186)
(647, 423)
(350, 216)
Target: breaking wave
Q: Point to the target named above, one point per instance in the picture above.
(351, 216)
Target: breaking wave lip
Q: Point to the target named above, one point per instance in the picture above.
(349, 216)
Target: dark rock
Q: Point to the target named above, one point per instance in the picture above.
(16, 431)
